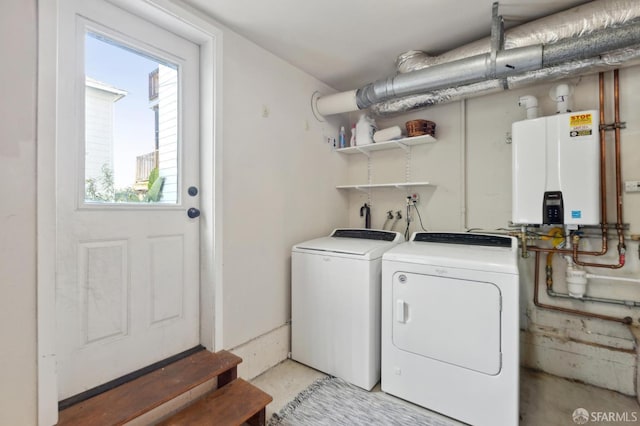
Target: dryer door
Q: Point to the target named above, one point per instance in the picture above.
(453, 320)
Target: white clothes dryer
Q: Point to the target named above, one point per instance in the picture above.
(335, 303)
(450, 325)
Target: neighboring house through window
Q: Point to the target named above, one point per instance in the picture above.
(99, 117)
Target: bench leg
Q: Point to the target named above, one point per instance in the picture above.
(227, 377)
(258, 419)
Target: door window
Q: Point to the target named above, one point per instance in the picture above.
(131, 124)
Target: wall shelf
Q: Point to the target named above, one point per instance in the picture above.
(404, 143)
(367, 186)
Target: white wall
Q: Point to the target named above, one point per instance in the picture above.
(17, 212)
(279, 184)
(438, 163)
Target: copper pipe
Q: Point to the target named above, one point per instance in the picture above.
(576, 253)
(604, 226)
(603, 156)
(626, 320)
(618, 166)
(616, 97)
(571, 251)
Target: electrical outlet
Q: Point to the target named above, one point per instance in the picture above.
(632, 186)
(414, 198)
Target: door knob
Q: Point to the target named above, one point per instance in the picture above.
(193, 212)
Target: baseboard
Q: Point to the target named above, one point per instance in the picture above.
(263, 352)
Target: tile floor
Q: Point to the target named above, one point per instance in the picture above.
(545, 400)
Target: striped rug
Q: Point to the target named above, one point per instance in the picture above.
(333, 402)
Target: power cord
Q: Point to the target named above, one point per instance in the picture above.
(419, 217)
(412, 203)
(406, 231)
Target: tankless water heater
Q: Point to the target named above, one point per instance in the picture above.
(556, 170)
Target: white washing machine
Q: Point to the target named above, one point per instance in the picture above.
(335, 303)
(450, 325)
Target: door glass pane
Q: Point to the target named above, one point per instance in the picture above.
(131, 125)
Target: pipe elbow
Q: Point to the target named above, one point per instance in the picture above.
(530, 103)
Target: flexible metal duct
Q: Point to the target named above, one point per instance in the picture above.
(575, 22)
(593, 65)
(586, 33)
(462, 71)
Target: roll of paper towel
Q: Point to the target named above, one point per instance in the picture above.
(387, 134)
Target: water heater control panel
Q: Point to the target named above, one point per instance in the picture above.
(552, 209)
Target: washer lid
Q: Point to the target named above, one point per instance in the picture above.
(365, 243)
(459, 250)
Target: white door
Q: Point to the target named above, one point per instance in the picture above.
(453, 320)
(127, 257)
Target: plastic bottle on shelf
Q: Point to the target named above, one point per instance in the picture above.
(352, 142)
(342, 138)
(365, 128)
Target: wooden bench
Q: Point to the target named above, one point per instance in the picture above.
(231, 405)
(138, 397)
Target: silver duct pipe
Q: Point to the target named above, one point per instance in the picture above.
(508, 63)
(533, 51)
(572, 68)
(462, 71)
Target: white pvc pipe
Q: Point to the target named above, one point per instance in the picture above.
(530, 103)
(337, 103)
(562, 98)
(606, 277)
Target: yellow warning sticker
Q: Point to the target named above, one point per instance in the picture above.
(580, 120)
(580, 125)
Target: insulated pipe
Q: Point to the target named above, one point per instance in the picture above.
(589, 45)
(478, 68)
(592, 65)
(463, 71)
